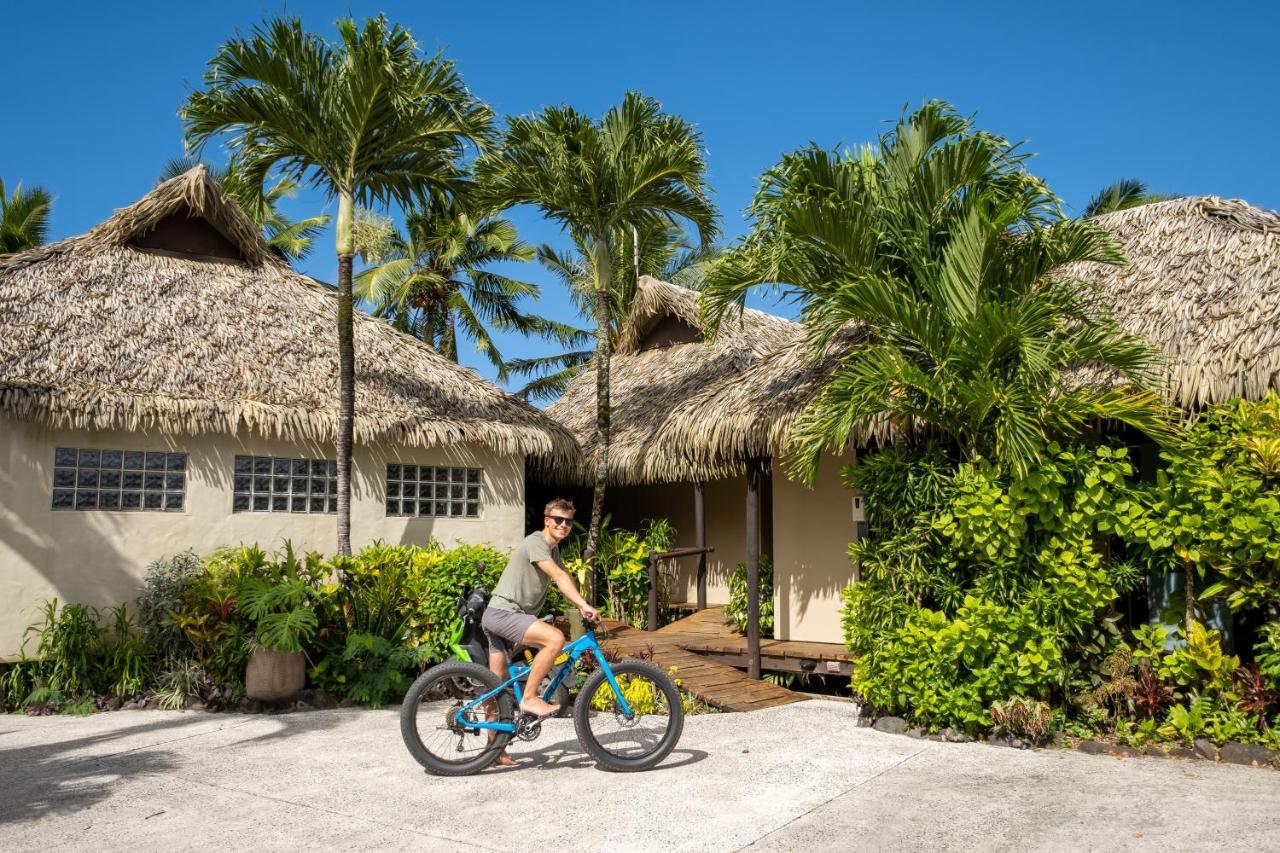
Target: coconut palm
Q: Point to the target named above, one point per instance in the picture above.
(290, 240)
(24, 218)
(950, 259)
(658, 250)
(634, 167)
(433, 281)
(367, 120)
(1122, 195)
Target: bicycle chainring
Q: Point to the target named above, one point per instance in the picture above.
(528, 728)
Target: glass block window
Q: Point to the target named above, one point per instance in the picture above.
(119, 480)
(433, 491)
(274, 484)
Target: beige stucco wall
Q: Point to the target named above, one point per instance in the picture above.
(99, 557)
(812, 529)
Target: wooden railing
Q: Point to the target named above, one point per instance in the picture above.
(675, 554)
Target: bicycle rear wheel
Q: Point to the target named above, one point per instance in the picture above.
(429, 720)
(639, 742)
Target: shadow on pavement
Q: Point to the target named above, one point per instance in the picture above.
(58, 777)
(569, 754)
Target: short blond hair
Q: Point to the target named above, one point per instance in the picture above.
(558, 504)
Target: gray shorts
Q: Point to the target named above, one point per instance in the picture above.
(505, 628)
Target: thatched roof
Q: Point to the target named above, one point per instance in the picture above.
(1202, 283)
(648, 382)
(112, 330)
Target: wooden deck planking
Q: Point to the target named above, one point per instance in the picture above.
(685, 642)
(714, 683)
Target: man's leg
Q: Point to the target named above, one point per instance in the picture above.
(552, 643)
(498, 666)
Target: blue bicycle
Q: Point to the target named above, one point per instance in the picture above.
(458, 716)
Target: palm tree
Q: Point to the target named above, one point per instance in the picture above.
(658, 250)
(1122, 195)
(434, 284)
(949, 257)
(290, 240)
(366, 119)
(24, 218)
(636, 166)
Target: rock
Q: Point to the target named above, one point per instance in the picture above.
(1059, 741)
(1093, 747)
(113, 704)
(1182, 752)
(995, 740)
(1248, 754)
(196, 706)
(302, 706)
(1206, 749)
(1156, 752)
(348, 703)
(952, 736)
(915, 732)
(1017, 743)
(890, 725)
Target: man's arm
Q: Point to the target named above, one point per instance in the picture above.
(564, 581)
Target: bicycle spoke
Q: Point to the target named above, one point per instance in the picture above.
(638, 735)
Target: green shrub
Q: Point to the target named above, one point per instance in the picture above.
(164, 591)
(735, 612)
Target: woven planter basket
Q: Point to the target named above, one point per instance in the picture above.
(273, 676)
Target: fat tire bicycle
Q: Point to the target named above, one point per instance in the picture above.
(458, 716)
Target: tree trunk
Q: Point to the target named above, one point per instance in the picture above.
(604, 282)
(346, 371)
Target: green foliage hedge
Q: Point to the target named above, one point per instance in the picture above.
(367, 624)
(980, 587)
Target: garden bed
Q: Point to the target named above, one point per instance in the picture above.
(1231, 752)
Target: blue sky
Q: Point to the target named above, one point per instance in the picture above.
(1179, 94)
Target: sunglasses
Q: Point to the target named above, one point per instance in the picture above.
(560, 520)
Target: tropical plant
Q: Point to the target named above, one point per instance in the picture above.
(735, 612)
(68, 641)
(598, 179)
(290, 240)
(279, 605)
(126, 664)
(24, 217)
(953, 264)
(367, 120)
(1122, 195)
(164, 590)
(657, 249)
(434, 282)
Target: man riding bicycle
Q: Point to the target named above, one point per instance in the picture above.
(511, 618)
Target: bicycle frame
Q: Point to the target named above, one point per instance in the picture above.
(572, 653)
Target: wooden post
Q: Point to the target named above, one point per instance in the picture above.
(700, 534)
(766, 509)
(753, 568)
(653, 592)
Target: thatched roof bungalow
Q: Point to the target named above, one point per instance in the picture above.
(167, 382)
(663, 359)
(1202, 283)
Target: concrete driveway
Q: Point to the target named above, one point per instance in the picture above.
(800, 777)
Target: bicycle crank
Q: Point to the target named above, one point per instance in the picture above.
(528, 728)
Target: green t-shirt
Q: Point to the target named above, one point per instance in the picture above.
(523, 586)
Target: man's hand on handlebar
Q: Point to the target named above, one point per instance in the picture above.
(590, 615)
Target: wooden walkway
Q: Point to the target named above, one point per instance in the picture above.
(706, 632)
(707, 654)
(714, 683)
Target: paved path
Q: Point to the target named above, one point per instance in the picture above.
(798, 777)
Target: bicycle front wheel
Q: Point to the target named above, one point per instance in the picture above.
(626, 744)
(430, 724)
